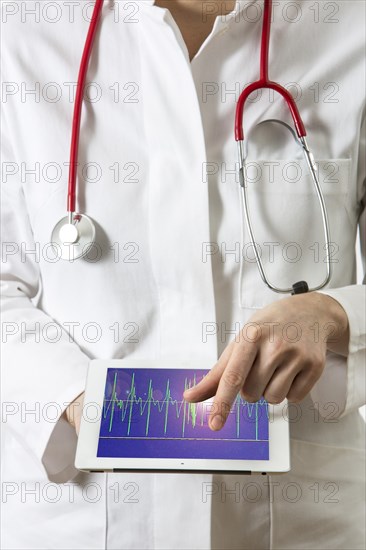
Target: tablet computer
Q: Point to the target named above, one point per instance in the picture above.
(135, 418)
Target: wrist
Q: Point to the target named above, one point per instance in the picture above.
(335, 323)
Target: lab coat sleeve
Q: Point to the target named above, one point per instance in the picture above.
(353, 300)
(43, 371)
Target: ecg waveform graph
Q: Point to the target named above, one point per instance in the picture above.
(144, 411)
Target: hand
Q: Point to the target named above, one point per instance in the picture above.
(74, 411)
(279, 353)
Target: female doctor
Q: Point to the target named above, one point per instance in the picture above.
(157, 173)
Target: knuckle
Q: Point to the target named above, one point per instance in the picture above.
(222, 408)
(279, 344)
(249, 397)
(233, 379)
(279, 351)
(250, 392)
(273, 398)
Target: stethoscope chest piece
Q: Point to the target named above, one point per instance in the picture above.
(73, 236)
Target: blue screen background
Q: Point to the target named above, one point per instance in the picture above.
(144, 416)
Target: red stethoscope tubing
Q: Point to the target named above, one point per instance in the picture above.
(264, 82)
(78, 104)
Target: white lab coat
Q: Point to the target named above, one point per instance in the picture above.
(157, 158)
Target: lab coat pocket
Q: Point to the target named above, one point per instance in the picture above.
(320, 503)
(288, 228)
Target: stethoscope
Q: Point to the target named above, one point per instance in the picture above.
(74, 234)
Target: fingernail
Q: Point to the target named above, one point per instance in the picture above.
(217, 422)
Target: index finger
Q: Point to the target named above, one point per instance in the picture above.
(207, 387)
(231, 382)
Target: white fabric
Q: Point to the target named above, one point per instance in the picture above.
(159, 124)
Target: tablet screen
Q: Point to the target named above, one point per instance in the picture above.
(144, 416)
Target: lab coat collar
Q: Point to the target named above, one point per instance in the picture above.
(225, 19)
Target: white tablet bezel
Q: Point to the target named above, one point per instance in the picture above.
(86, 459)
